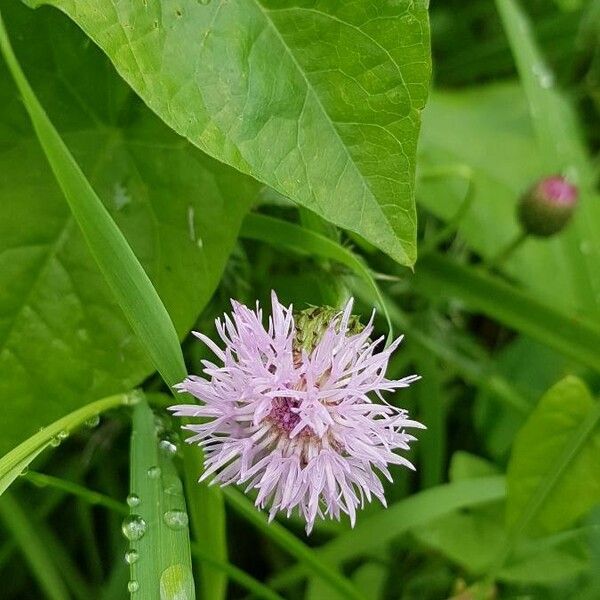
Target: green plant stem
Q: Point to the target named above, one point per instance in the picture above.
(463, 172)
(504, 254)
(91, 497)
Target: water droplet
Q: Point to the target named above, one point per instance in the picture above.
(154, 472)
(133, 586)
(24, 471)
(544, 75)
(93, 422)
(132, 398)
(55, 442)
(131, 556)
(191, 219)
(176, 519)
(121, 197)
(133, 527)
(167, 447)
(133, 500)
(200, 243)
(63, 435)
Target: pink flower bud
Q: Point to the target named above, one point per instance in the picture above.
(547, 207)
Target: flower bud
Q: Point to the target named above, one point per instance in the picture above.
(547, 207)
(311, 324)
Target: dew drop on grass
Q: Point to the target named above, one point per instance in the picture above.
(167, 447)
(63, 435)
(176, 519)
(133, 527)
(131, 399)
(133, 586)
(154, 472)
(55, 442)
(131, 556)
(133, 500)
(93, 422)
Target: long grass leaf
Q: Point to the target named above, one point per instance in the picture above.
(42, 566)
(157, 526)
(399, 518)
(305, 241)
(570, 335)
(92, 497)
(121, 269)
(19, 458)
(561, 149)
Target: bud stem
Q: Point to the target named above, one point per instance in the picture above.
(505, 253)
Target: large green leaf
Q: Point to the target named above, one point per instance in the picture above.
(63, 339)
(553, 475)
(321, 100)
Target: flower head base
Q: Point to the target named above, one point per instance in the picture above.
(548, 206)
(289, 413)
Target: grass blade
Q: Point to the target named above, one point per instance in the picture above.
(157, 526)
(137, 298)
(124, 274)
(399, 518)
(74, 489)
(305, 241)
(569, 335)
(561, 148)
(44, 570)
(15, 462)
(288, 542)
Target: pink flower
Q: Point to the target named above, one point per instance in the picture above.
(289, 412)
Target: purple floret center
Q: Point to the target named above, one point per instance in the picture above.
(283, 415)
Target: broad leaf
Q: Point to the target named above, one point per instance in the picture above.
(553, 477)
(63, 339)
(319, 100)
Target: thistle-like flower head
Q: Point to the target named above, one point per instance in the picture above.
(296, 410)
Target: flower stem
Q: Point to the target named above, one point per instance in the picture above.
(508, 250)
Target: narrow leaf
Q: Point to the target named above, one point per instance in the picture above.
(17, 460)
(24, 533)
(121, 269)
(570, 335)
(305, 241)
(157, 526)
(399, 518)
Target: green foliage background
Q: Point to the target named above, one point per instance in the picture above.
(239, 146)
